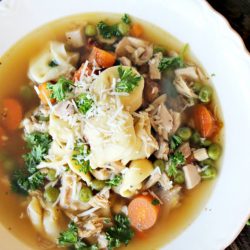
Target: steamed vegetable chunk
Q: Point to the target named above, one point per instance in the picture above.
(125, 129)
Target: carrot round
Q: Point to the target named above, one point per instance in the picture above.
(142, 212)
(12, 113)
(204, 120)
(103, 58)
(45, 92)
(2, 136)
(136, 30)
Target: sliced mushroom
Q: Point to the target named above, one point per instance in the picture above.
(192, 177)
(154, 72)
(137, 50)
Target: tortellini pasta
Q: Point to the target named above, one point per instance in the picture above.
(107, 79)
(40, 70)
(137, 172)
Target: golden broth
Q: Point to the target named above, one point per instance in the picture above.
(13, 74)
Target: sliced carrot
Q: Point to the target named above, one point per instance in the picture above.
(2, 136)
(45, 93)
(136, 30)
(12, 113)
(142, 212)
(103, 58)
(204, 120)
(78, 73)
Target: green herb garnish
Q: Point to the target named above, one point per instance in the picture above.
(126, 19)
(167, 63)
(84, 103)
(53, 63)
(60, 89)
(108, 31)
(128, 80)
(114, 181)
(120, 233)
(175, 160)
(155, 202)
(175, 142)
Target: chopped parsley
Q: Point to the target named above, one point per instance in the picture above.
(80, 156)
(53, 63)
(128, 80)
(60, 89)
(175, 160)
(167, 63)
(108, 31)
(70, 238)
(84, 103)
(175, 142)
(158, 49)
(126, 19)
(114, 181)
(120, 233)
(155, 202)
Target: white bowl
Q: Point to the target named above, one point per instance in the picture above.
(221, 51)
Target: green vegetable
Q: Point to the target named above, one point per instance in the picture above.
(39, 143)
(205, 142)
(175, 160)
(27, 93)
(179, 177)
(51, 175)
(60, 89)
(84, 103)
(205, 94)
(120, 233)
(214, 151)
(42, 118)
(167, 63)
(161, 164)
(53, 63)
(108, 31)
(123, 28)
(155, 202)
(126, 19)
(195, 139)
(197, 87)
(90, 30)
(114, 181)
(80, 156)
(209, 173)
(85, 194)
(184, 133)
(158, 49)
(51, 194)
(183, 51)
(70, 238)
(128, 80)
(175, 142)
(97, 185)
(207, 163)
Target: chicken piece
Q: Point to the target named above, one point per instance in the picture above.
(176, 120)
(125, 61)
(185, 150)
(154, 72)
(75, 38)
(151, 91)
(188, 73)
(137, 50)
(102, 174)
(153, 179)
(162, 152)
(64, 109)
(102, 241)
(182, 88)
(101, 199)
(165, 182)
(192, 177)
(200, 154)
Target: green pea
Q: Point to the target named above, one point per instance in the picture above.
(214, 151)
(123, 28)
(184, 133)
(161, 164)
(85, 194)
(27, 93)
(195, 138)
(205, 94)
(97, 185)
(206, 142)
(197, 87)
(42, 118)
(51, 175)
(51, 194)
(90, 30)
(207, 163)
(179, 178)
(209, 173)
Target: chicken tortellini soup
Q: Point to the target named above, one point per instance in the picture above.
(110, 134)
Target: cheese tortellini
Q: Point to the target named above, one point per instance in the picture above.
(40, 70)
(107, 80)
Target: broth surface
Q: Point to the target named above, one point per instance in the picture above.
(13, 74)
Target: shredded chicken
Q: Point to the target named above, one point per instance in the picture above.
(162, 152)
(200, 154)
(137, 50)
(154, 72)
(183, 88)
(165, 182)
(153, 179)
(188, 73)
(101, 199)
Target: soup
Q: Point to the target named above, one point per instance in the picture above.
(110, 135)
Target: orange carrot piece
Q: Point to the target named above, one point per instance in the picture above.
(103, 58)
(136, 30)
(77, 74)
(204, 121)
(12, 113)
(45, 92)
(142, 212)
(2, 136)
